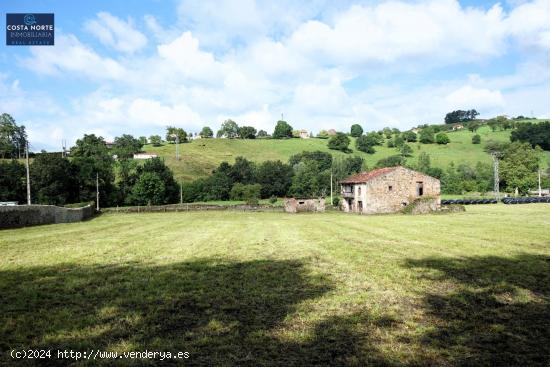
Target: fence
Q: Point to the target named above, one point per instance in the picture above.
(32, 215)
(191, 207)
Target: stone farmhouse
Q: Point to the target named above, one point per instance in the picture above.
(388, 190)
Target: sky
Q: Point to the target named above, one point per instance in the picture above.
(118, 68)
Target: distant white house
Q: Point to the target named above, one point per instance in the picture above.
(144, 156)
(304, 134)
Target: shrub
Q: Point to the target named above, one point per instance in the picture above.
(442, 138)
(273, 200)
(364, 145)
(340, 141)
(476, 139)
(240, 191)
(356, 130)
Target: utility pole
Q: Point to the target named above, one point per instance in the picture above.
(97, 191)
(331, 201)
(540, 190)
(496, 186)
(181, 193)
(28, 174)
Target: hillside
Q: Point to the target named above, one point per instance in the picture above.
(200, 157)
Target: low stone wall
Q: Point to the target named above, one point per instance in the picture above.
(422, 206)
(32, 215)
(190, 207)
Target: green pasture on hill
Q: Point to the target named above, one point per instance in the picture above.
(200, 157)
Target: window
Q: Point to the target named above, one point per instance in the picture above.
(348, 189)
(390, 188)
(419, 189)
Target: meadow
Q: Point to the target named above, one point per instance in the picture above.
(275, 289)
(200, 157)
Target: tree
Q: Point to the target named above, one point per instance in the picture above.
(173, 132)
(442, 138)
(409, 136)
(474, 126)
(143, 140)
(13, 138)
(356, 130)
(54, 180)
(229, 130)
(159, 168)
(534, 134)
(405, 150)
(460, 116)
(148, 190)
(282, 130)
(340, 141)
(387, 132)
(262, 134)
(343, 167)
(206, 132)
(92, 158)
(391, 161)
(249, 193)
(242, 171)
(275, 178)
(363, 144)
(155, 140)
(426, 136)
(12, 181)
(309, 180)
(519, 166)
(476, 139)
(323, 134)
(323, 159)
(126, 146)
(247, 132)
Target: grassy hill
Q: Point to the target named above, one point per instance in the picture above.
(200, 157)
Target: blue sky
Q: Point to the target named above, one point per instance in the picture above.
(119, 68)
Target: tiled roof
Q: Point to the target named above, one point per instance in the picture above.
(366, 176)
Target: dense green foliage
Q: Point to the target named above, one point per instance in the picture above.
(442, 138)
(356, 130)
(126, 146)
(13, 138)
(534, 134)
(247, 132)
(460, 116)
(206, 132)
(229, 129)
(340, 141)
(364, 144)
(12, 181)
(175, 134)
(476, 139)
(53, 180)
(282, 130)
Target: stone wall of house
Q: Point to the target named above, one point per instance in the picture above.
(293, 205)
(32, 215)
(393, 191)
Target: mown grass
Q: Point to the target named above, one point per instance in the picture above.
(275, 289)
(200, 157)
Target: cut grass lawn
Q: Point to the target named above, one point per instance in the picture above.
(274, 289)
(200, 157)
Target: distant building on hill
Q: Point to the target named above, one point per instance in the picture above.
(304, 134)
(331, 132)
(144, 156)
(109, 144)
(388, 190)
(458, 127)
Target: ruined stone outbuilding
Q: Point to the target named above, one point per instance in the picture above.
(293, 205)
(388, 190)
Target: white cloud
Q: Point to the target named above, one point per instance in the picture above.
(436, 31)
(468, 97)
(116, 33)
(69, 55)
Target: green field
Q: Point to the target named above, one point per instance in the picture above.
(274, 289)
(200, 157)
